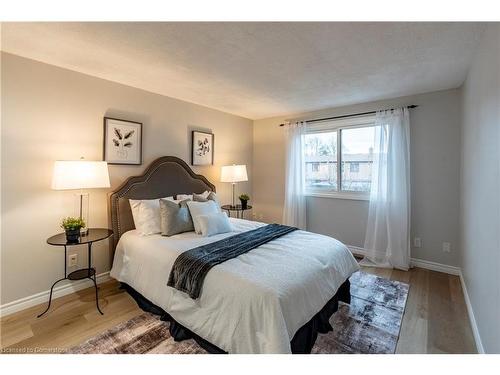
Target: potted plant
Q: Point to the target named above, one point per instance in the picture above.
(244, 198)
(72, 226)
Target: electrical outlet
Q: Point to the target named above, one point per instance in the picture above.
(73, 260)
(446, 247)
(417, 242)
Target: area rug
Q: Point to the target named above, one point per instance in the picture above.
(370, 324)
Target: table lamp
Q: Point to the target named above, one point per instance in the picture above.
(233, 174)
(79, 175)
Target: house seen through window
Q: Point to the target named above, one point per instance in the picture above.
(351, 147)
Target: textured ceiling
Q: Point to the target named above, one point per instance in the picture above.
(258, 70)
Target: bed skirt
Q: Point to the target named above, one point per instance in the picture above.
(302, 342)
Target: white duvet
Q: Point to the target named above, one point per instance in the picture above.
(254, 303)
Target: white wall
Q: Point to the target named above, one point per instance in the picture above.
(480, 188)
(435, 154)
(49, 113)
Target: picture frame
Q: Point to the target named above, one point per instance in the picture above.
(122, 141)
(202, 148)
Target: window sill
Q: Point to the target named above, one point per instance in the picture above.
(336, 195)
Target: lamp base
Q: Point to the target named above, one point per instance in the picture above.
(233, 204)
(81, 210)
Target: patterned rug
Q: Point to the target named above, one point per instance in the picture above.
(369, 325)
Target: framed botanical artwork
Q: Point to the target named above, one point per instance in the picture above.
(122, 141)
(202, 148)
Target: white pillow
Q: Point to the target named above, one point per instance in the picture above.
(146, 214)
(201, 208)
(214, 224)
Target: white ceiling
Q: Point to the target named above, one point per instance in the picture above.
(258, 70)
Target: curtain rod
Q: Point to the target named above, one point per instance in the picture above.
(352, 115)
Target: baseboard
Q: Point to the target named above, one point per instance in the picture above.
(36, 299)
(421, 263)
(357, 250)
(433, 266)
(472, 319)
(43, 297)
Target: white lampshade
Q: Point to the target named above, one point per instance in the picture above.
(80, 174)
(234, 173)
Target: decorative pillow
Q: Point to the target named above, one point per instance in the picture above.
(213, 224)
(201, 208)
(206, 196)
(146, 214)
(183, 197)
(174, 217)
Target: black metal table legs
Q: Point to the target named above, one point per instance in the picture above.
(50, 297)
(94, 279)
(239, 214)
(90, 274)
(97, 297)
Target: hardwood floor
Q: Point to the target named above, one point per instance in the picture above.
(435, 319)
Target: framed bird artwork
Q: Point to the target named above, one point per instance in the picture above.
(122, 141)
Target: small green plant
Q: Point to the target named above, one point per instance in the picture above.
(244, 197)
(72, 223)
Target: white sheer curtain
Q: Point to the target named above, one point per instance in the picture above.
(294, 212)
(387, 238)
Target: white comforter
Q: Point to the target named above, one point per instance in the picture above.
(254, 303)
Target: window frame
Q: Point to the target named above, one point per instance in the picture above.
(338, 126)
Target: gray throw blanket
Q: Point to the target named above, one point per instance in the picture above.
(191, 267)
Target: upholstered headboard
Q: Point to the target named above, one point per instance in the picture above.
(165, 176)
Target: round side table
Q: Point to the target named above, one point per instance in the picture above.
(238, 209)
(93, 235)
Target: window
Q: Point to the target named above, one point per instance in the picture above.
(321, 160)
(348, 143)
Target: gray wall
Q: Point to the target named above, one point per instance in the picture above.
(435, 155)
(480, 188)
(49, 113)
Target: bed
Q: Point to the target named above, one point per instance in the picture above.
(274, 299)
